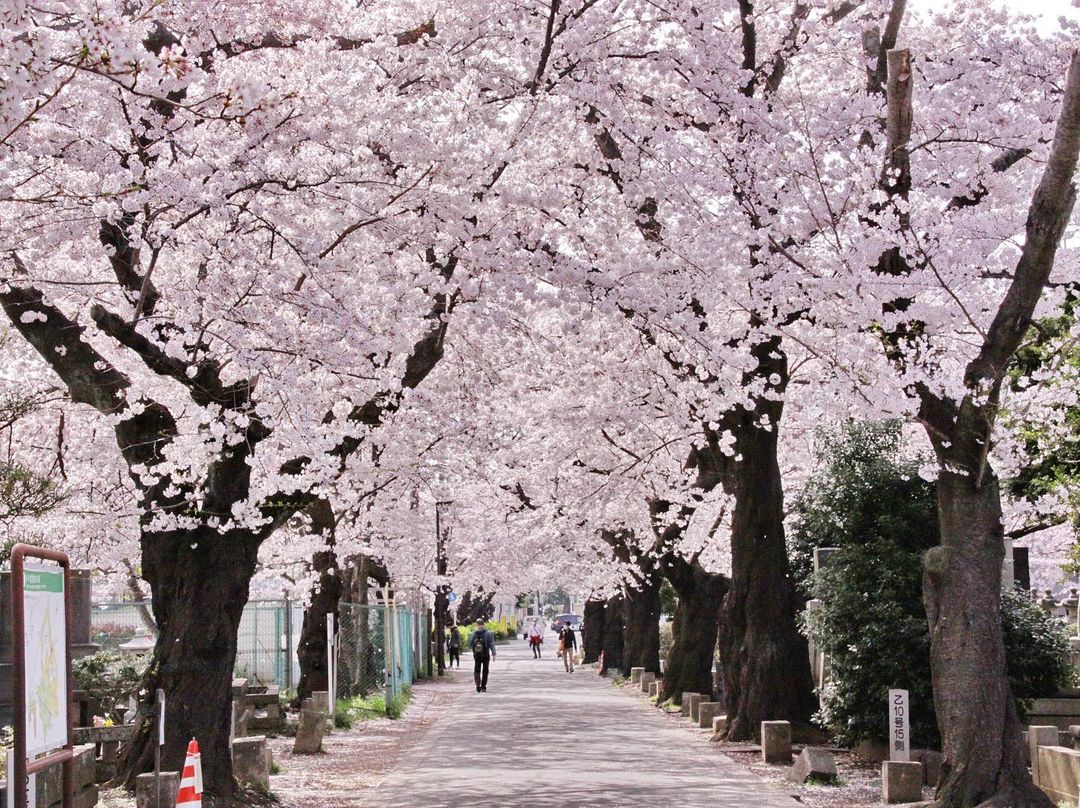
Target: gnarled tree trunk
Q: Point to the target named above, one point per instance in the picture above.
(200, 584)
(764, 658)
(984, 760)
(690, 661)
(641, 621)
(592, 640)
(613, 634)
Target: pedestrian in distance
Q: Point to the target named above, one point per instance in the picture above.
(482, 644)
(536, 638)
(453, 646)
(567, 645)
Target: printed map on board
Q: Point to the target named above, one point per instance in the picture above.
(46, 659)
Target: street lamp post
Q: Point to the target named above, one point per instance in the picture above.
(442, 591)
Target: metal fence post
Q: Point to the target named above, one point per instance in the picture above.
(288, 644)
(388, 653)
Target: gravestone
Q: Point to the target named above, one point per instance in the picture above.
(901, 781)
(816, 764)
(251, 761)
(776, 741)
(309, 733)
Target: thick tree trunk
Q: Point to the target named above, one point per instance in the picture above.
(641, 620)
(976, 711)
(764, 658)
(613, 634)
(200, 585)
(690, 661)
(592, 640)
(311, 648)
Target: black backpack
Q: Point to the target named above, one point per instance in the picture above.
(479, 645)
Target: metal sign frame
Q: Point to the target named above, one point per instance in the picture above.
(23, 768)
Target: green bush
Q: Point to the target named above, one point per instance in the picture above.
(868, 502)
(108, 677)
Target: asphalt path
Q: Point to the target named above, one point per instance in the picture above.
(541, 737)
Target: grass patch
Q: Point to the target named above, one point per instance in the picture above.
(275, 767)
(363, 708)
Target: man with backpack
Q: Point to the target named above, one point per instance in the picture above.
(482, 644)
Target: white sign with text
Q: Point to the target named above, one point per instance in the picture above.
(899, 734)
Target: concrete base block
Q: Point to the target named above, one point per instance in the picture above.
(814, 764)
(309, 733)
(647, 678)
(901, 781)
(251, 761)
(1037, 736)
(696, 700)
(635, 675)
(776, 741)
(145, 795)
(654, 689)
(719, 723)
(1059, 773)
(707, 711)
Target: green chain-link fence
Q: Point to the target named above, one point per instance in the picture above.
(269, 633)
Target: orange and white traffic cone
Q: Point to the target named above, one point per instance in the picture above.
(191, 785)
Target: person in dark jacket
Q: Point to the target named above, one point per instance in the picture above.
(568, 644)
(453, 646)
(482, 644)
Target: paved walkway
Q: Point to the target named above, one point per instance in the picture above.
(541, 738)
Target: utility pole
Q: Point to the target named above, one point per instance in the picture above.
(442, 591)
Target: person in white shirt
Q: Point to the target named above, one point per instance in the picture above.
(536, 638)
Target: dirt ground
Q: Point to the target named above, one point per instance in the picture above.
(354, 761)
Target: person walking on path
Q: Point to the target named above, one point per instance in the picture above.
(536, 638)
(482, 643)
(568, 644)
(453, 646)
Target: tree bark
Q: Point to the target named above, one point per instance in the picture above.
(198, 614)
(641, 621)
(690, 661)
(613, 634)
(984, 760)
(764, 659)
(311, 648)
(592, 640)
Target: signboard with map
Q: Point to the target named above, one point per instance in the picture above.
(45, 656)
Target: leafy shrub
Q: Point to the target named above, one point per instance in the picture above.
(108, 677)
(868, 502)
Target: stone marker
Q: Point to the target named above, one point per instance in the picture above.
(684, 702)
(814, 763)
(654, 689)
(1039, 736)
(647, 678)
(320, 700)
(309, 733)
(719, 723)
(251, 761)
(776, 741)
(695, 702)
(901, 781)
(635, 675)
(931, 762)
(707, 711)
(144, 790)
